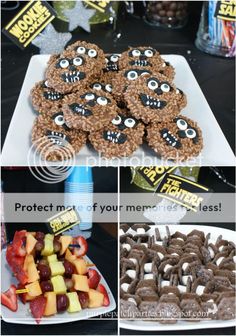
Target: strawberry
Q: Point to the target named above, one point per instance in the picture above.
(22, 296)
(20, 274)
(18, 243)
(37, 307)
(93, 278)
(102, 289)
(12, 259)
(9, 298)
(83, 246)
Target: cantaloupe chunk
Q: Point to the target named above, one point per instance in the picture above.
(69, 256)
(32, 272)
(80, 265)
(65, 242)
(95, 298)
(80, 282)
(51, 305)
(34, 289)
(28, 259)
(30, 242)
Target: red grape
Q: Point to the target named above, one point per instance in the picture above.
(83, 299)
(39, 235)
(44, 272)
(69, 268)
(69, 283)
(46, 286)
(62, 302)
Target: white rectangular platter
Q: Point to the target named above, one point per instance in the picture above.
(183, 325)
(216, 151)
(22, 316)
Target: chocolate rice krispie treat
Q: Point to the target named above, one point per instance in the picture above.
(122, 79)
(154, 99)
(170, 279)
(142, 57)
(121, 137)
(69, 73)
(54, 140)
(45, 99)
(177, 139)
(89, 110)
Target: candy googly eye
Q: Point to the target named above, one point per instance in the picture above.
(136, 53)
(97, 86)
(108, 88)
(114, 58)
(165, 87)
(131, 75)
(102, 101)
(182, 124)
(152, 84)
(59, 120)
(64, 63)
(117, 120)
(89, 96)
(78, 61)
(129, 122)
(191, 133)
(92, 53)
(148, 53)
(81, 50)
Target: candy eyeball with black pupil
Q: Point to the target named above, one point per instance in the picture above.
(152, 84)
(92, 53)
(117, 120)
(78, 61)
(165, 87)
(102, 101)
(191, 133)
(182, 125)
(129, 122)
(114, 58)
(108, 87)
(89, 96)
(81, 50)
(136, 53)
(97, 86)
(59, 120)
(131, 75)
(148, 53)
(64, 63)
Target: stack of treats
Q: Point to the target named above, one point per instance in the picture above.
(175, 277)
(115, 101)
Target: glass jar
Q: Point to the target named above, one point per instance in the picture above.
(217, 29)
(167, 14)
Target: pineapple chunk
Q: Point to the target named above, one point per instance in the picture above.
(57, 268)
(49, 236)
(58, 284)
(48, 245)
(52, 258)
(74, 304)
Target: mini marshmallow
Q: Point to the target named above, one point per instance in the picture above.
(234, 259)
(211, 300)
(125, 287)
(212, 253)
(218, 261)
(165, 283)
(182, 288)
(175, 254)
(192, 253)
(160, 255)
(144, 244)
(185, 278)
(234, 271)
(126, 246)
(212, 310)
(132, 300)
(140, 231)
(200, 289)
(131, 273)
(159, 243)
(148, 267)
(167, 266)
(121, 232)
(211, 241)
(221, 248)
(184, 266)
(148, 276)
(133, 260)
(180, 238)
